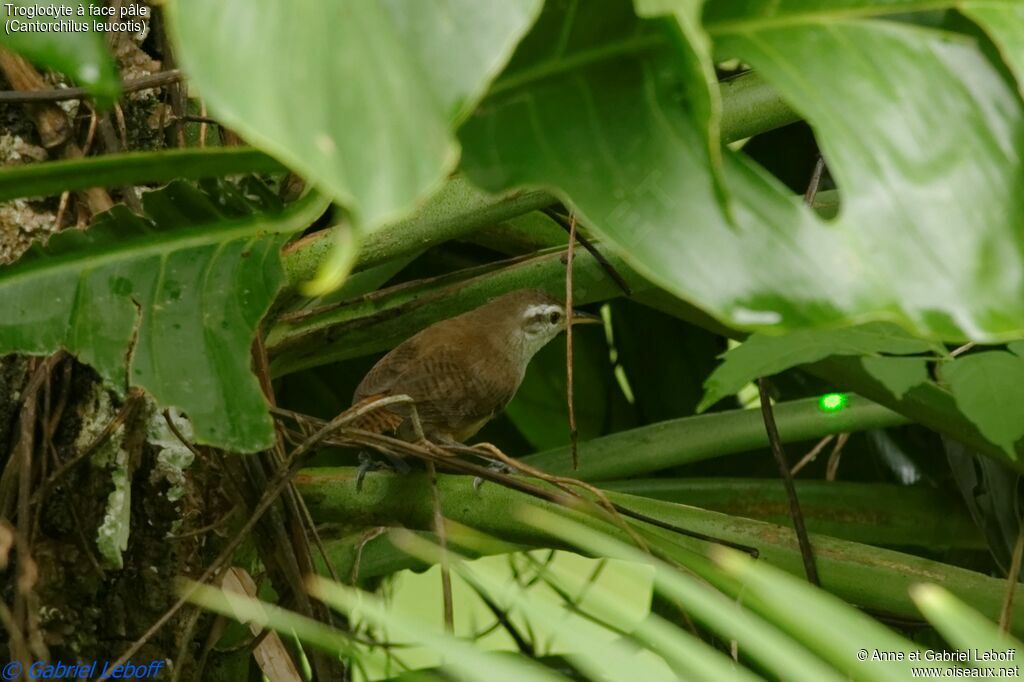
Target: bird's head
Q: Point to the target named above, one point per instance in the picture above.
(532, 318)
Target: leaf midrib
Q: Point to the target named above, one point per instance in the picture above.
(555, 67)
(157, 243)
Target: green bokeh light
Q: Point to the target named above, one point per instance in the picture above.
(832, 402)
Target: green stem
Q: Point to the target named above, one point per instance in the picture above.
(870, 577)
(136, 168)
(457, 209)
(381, 321)
(692, 439)
(912, 516)
(750, 107)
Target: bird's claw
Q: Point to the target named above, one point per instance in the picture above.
(368, 463)
(499, 467)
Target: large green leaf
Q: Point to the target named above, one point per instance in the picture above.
(1003, 20)
(693, 49)
(81, 54)
(170, 303)
(898, 375)
(763, 355)
(360, 97)
(919, 130)
(989, 390)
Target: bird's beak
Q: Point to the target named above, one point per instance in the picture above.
(585, 318)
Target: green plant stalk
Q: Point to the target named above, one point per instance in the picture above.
(870, 577)
(382, 320)
(378, 556)
(912, 516)
(691, 439)
(750, 106)
(456, 209)
(136, 168)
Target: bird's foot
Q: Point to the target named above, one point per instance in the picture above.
(368, 463)
(498, 467)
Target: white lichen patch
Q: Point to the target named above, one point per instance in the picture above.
(15, 150)
(112, 535)
(173, 457)
(98, 411)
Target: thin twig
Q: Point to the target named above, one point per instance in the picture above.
(180, 436)
(203, 530)
(357, 559)
(60, 94)
(563, 496)
(321, 547)
(833, 459)
(502, 619)
(962, 349)
(812, 186)
(605, 264)
(84, 541)
(812, 455)
(107, 431)
(442, 539)
(1012, 578)
(203, 123)
(574, 435)
(23, 453)
(787, 480)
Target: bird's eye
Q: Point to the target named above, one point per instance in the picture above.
(555, 317)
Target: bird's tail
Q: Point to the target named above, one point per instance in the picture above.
(383, 420)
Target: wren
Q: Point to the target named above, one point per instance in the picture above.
(461, 372)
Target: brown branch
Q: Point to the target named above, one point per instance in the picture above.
(812, 186)
(605, 264)
(562, 496)
(787, 481)
(155, 80)
(574, 435)
(1012, 578)
(51, 121)
(442, 539)
(108, 430)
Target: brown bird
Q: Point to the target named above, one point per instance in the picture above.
(463, 371)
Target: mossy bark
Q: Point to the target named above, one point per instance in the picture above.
(81, 605)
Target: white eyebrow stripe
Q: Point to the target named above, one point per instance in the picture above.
(541, 309)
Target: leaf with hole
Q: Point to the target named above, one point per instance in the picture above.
(360, 97)
(928, 231)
